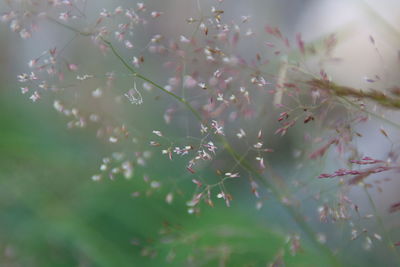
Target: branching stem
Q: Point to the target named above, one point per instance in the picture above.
(295, 214)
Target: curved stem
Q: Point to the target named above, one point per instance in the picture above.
(298, 218)
(69, 27)
(140, 76)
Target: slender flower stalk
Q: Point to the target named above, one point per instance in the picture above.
(298, 218)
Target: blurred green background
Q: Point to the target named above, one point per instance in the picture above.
(53, 214)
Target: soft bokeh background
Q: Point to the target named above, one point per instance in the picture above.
(53, 214)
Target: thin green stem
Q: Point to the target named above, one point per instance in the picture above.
(144, 78)
(69, 27)
(295, 214)
(298, 218)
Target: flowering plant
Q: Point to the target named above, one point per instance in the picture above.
(222, 117)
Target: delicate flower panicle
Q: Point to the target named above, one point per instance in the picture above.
(344, 172)
(366, 161)
(225, 112)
